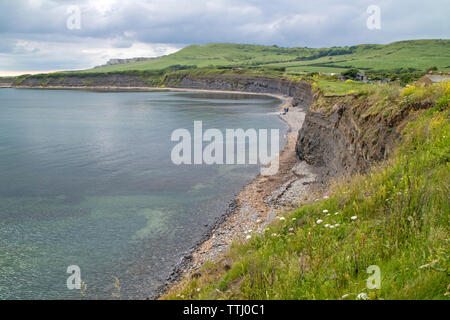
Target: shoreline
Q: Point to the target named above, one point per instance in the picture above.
(255, 206)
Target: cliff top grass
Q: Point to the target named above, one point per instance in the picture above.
(395, 217)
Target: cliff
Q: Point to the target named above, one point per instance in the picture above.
(344, 135)
(7, 81)
(300, 91)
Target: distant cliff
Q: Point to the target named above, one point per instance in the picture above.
(7, 81)
(111, 62)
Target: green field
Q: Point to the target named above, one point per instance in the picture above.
(414, 55)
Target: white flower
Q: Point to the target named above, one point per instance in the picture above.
(327, 225)
(325, 197)
(293, 219)
(336, 225)
(325, 211)
(345, 296)
(198, 289)
(331, 227)
(248, 237)
(258, 221)
(319, 221)
(274, 234)
(328, 215)
(362, 296)
(336, 213)
(282, 218)
(354, 218)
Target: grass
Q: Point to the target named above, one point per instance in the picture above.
(396, 217)
(414, 55)
(337, 87)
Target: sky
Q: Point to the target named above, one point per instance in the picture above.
(49, 35)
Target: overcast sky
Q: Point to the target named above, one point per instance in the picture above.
(46, 35)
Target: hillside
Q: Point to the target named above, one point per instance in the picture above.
(414, 55)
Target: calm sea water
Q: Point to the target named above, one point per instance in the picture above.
(86, 179)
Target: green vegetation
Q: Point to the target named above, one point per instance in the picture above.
(395, 217)
(398, 57)
(337, 87)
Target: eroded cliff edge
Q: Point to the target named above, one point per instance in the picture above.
(300, 91)
(345, 135)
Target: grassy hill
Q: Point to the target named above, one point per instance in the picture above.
(414, 55)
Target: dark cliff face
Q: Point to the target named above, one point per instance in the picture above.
(300, 91)
(7, 81)
(342, 142)
(112, 80)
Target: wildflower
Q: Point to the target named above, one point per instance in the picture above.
(198, 289)
(325, 197)
(282, 218)
(293, 219)
(362, 296)
(274, 234)
(325, 211)
(328, 215)
(258, 221)
(331, 227)
(248, 237)
(291, 229)
(327, 225)
(336, 225)
(336, 213)
(319, 221)
(354, 218)
(345, 296)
